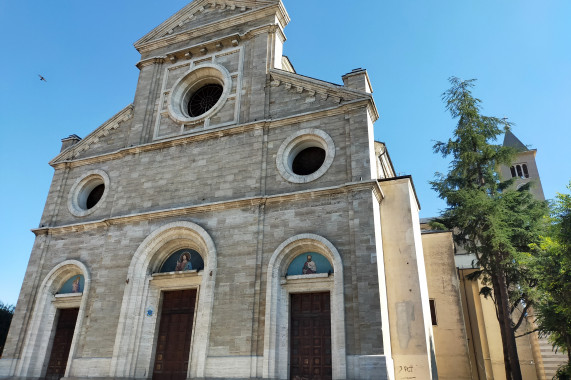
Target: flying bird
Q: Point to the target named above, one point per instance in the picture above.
(42, 78)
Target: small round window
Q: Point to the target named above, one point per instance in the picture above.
(88, 193)
(305, 156)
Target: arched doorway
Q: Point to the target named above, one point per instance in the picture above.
(52, 337)
(308, 303)
(175, 263)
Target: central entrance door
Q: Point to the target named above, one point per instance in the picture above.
(310, 340)
(62, 344)
(175, 332)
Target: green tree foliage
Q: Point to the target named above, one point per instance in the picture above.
(489, 218)
(6, 313)
(553, 268)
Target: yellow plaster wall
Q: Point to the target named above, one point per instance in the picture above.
(485, 341)
(451, 345)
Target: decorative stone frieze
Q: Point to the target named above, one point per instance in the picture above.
(150, 61)
(336, 94)
(166, 33)
(189, 52)
(209, 7)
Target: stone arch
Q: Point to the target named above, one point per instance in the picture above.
(276, 334)
(132, 353)
(42, 324)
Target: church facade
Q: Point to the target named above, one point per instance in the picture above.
(237, 221)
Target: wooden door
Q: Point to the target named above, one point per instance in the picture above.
(310, 337)
(175, 332)
(62, 343)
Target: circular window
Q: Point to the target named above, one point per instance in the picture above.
(199, 93)
(88, 193)
(204, 99)
(305, 156)
(308, 161)
(94, 196)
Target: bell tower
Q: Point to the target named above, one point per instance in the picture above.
(524, 167)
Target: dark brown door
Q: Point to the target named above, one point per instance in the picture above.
(62, 343)
(310, 344)
(175, 331)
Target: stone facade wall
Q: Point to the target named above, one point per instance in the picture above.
(216, 184)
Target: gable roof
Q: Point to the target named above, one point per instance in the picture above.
(513, 142)
(227, 8)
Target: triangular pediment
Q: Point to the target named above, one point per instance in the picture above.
(110, 136)
(200, 13)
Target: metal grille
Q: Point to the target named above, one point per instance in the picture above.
(204, 99)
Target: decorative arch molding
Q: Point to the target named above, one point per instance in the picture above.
(134, 342)
(276, 331)
(42, 324)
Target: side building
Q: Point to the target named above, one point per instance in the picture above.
(237, 221)
(466, 330)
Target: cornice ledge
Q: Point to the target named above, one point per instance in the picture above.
(166, 143)
(191, 51)
(378, 192)
(326, 90)
(152, 44)
(102, 131)
(286, 76)
(401, 179)
(210, 133)
(208, 207)
(150, 61)
(331, 111)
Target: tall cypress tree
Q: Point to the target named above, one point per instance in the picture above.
(489, 218)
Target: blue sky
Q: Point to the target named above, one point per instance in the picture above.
(519, 50)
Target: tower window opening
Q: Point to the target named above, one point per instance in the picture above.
(519, 173)
(512, 169)
(433, 312)
(525, 172)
